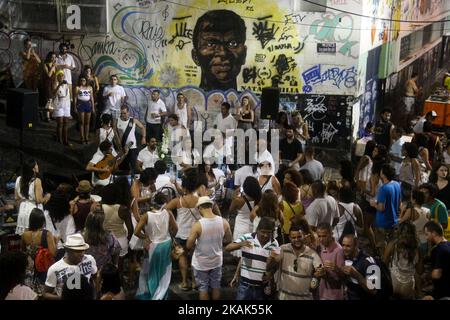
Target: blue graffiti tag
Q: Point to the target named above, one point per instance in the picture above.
(335, 75)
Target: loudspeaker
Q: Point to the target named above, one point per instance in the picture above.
(270, 101)
(21, 108)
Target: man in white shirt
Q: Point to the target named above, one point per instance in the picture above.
(314, 167)
(225, 121)
(66, 63)
(320, 210)
(217, 151)
(148, 156)
(177, 132)
(395, 153)
(74, 264)
(155, 110)
(115, 97)
(105, 149)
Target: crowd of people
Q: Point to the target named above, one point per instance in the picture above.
(379, 232)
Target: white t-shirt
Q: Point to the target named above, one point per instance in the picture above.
(148, 158)
(212, 152)
(396, 150)
(242, 173)
(155, 107)
(21, 292)
(98, 156)
(418, 128)
(318, 212)
(163, 180)
(70, 62)
(224, 124)
(315, 168)
(114, 101)
(60, 271)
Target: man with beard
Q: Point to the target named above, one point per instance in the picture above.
(219, 49)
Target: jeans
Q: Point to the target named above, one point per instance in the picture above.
(247, 292)
(154, 131)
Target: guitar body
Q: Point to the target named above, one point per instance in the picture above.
(108, 161)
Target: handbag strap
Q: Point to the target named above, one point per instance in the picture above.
(248, 203)
(345, 210)
(293, 211)
(265, 183)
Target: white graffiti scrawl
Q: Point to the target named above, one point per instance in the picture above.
(328, 132)
(315, 108)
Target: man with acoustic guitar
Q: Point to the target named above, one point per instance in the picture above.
(126, 129)
(103, 164)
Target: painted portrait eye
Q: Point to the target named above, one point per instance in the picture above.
(232, 44)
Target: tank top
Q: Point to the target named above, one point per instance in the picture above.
(182, 115)
(266, 186)
(347, 215)
(407, 173)
(401, 268)
(122, 127)
(84, 94)
(80, 217)
(157, 227)
(31, 193)
(420, 224)
(185, 218)
(208, 250)
(113, 222)
(63, 93)
(107, 134)
(289, 211)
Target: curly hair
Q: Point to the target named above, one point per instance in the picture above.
(406, 243)
(268, 206)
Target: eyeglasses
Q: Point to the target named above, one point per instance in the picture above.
(295, 265)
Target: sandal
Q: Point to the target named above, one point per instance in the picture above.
(184, 288)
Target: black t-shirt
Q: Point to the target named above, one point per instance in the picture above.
(288, 150)
(444, 195)
(440, 259)
(383, 133)
(354, 290)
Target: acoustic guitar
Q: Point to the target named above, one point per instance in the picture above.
(109, 162)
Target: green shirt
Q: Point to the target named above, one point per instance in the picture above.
(438, 211)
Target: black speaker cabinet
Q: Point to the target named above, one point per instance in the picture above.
(22, 108)
(270, 101)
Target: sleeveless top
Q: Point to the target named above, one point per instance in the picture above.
(266, 186)
(122, 127)
(63, 94)
(306, 201)
(182, 115)
(31, 193)
(401, 268)
(420, 224)
(107, 134)
(208, 250)
(80, 217)
(185, 218)
(347, 215)
(157, 227)
(289, 211)
(83, 94)
(242, 223)
(113, 222)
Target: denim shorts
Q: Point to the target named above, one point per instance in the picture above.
(208, 279)
(84, 106)
(249, 292)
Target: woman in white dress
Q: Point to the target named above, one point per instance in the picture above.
(159, 226)
(243, 205)
(28, 194)
(61, 107)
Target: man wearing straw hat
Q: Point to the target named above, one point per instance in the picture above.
(70, 268)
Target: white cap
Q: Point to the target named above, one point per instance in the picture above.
(203, 200)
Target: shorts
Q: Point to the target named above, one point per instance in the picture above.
(115, 114)
(123, 241)
(62, 109)
(409, 103)
(208, 279)
(84, 106)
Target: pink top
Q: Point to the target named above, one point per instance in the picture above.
(331, 287)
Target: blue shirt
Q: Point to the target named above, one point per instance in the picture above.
(389, 194)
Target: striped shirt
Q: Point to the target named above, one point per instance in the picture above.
(254, 259)
(295, 283)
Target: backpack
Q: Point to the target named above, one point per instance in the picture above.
(43, 259)
(386, 291)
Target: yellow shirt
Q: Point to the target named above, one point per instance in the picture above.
(289, 211)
